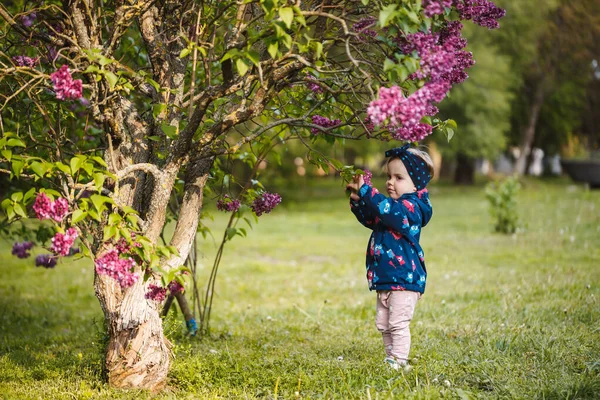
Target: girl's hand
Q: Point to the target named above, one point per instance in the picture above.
(357, 182)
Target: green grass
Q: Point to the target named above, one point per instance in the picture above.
(503, 316)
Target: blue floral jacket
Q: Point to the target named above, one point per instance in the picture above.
(395, 260)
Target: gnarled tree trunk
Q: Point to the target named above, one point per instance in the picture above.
(138, 354)
(529, 132)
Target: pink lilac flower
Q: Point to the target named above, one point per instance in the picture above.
(60, 208)
(21, 249)
(45, 260)
(175, 287)
(65, 86)
(117, 268)
(367, 176)
(42, 206)
(62, 242)
(45, 208)
(324, 122)
(24, 61)
(156, 293)
(228, 204)
(265, 203)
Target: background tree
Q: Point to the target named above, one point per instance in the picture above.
(171, 90)
(481, 108)
(554, 64)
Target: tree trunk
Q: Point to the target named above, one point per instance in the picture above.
(529, 132)
(465, 170)
(138, 354)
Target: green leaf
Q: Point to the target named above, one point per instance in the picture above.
(449, 133)
(169, 130)
(114, 219)
(15, 143)
(273, 49)
(63, 168)
(17, 196)
(112, 79)
(10, 212)
(253, 56)
(241, 66)
(364, 2)
(78, 215)
(230, 232)
(287, 16)
(109, 231)
(99, 201)
(94, 215)
(185, 52)
(386, 14)
(99, 180)
(19, 210)
(100, 161)
(28, 195)
(158, 109)
(76, 163)
(452, 123)
(6, 154)
(17, 167)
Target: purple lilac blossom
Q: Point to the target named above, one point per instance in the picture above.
(27, 20)
(24, 61)
(265, 203)
(175, 287)
(156, 293)
(65, 86)
(315, 88)
(45, 260)
(62, 242)
(228, 204)
(435, 7)
(482, 12)
(21, 249)
(117, 268)
(324, 122)
(362, 28)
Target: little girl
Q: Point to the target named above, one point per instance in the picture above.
(395, 263)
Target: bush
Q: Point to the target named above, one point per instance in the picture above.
(502, 196)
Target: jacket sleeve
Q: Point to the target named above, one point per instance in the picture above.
(398, 215)
(362, 214)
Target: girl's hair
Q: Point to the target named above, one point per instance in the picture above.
(422, 155)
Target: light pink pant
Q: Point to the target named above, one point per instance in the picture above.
(394, 312)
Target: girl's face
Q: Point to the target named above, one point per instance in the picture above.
(399, 181)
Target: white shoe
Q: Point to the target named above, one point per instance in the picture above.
(396, 365)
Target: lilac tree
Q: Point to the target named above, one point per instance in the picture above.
(115, 112)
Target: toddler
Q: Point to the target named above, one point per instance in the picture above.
(395, 261)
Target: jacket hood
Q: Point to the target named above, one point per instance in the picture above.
(421, 198)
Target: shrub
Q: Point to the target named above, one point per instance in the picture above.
(502, 196)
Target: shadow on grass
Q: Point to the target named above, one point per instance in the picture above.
(47, 339)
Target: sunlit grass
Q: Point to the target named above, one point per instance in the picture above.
(503, 316)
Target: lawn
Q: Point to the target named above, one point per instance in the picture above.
(512, 316)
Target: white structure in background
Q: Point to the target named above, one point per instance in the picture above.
(554, 164)
(536, 168)
(503, 165)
